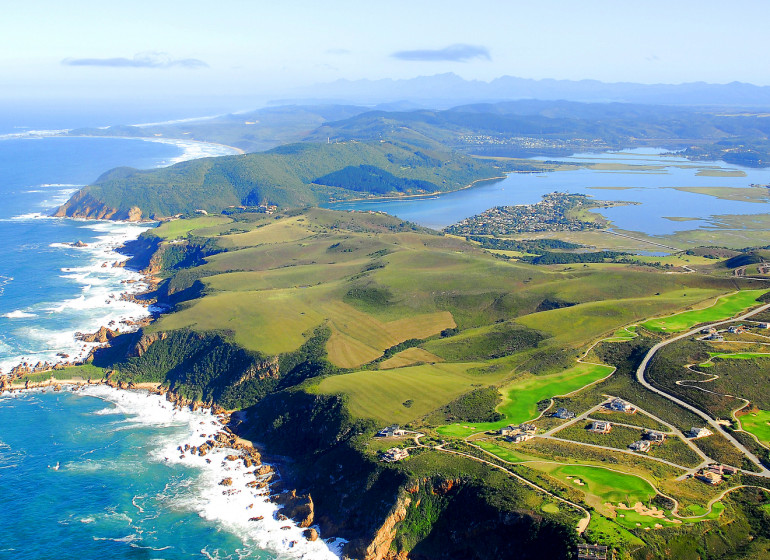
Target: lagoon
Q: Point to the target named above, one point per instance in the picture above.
(644, 176)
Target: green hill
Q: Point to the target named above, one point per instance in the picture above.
(287, 176)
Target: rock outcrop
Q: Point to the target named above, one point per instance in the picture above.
(83, 205)
(102, 335)
(299, 508)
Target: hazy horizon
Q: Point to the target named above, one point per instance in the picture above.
(85, 50)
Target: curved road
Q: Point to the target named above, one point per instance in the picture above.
(710, 421)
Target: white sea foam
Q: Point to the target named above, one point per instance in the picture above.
(231, 507)
(97, 304)
(29, 216)
(19, 314)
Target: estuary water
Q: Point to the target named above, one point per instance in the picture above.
(96, 474)
(652, 185)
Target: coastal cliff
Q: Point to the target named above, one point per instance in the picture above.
(83, 204)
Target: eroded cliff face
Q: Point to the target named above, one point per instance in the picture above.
(83, 205)
(380, 545)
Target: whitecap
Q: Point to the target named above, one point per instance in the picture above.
(19, 314)
(29, 216)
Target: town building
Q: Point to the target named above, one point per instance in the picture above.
(643, 446)
(528, 428)
(600, 427)
(696, 433)
(394, 454)
(563, 413)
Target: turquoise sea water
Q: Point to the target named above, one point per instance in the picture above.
(97, 475)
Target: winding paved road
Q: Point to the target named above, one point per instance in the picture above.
(710, 421)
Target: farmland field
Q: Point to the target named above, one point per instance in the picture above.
(381, 394)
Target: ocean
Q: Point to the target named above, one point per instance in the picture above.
(96, 473)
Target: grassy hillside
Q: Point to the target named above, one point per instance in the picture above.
(326, 326)
(288, 176)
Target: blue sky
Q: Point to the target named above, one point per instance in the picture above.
(119, 48)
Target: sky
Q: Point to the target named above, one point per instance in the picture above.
(83, 49)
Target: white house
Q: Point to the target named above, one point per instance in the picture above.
(696, 433)
(619, 405)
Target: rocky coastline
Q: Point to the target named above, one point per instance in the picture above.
(292, 506)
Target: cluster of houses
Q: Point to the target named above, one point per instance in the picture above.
(713, 474)
(649, 437)
(394, 454)
(517, 434)
(717, 336)
(696, 433)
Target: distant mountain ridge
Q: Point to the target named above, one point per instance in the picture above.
(450, 89)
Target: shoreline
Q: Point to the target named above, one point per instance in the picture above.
(417, 196)
(240, 492)
(113, 258)
(132, 285)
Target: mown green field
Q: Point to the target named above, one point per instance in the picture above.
(723, 308)
(741, 355)
(520, 397)
(382, 394)
(757, 422)
(503, 453)
(602, 530)
(607, 485)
